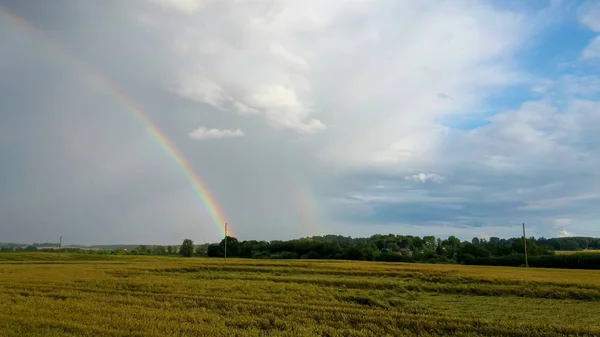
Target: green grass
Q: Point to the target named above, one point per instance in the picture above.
(87, 295)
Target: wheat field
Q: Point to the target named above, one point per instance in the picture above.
(570, 252)
(42, 294)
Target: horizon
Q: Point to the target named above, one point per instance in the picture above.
(298, 238)
(156, 120)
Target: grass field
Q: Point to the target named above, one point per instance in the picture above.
(569, 252)
(153, 296)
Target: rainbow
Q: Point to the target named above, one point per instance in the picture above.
(303, 203)
(161, 138)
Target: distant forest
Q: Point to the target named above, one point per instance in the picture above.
(391, 248)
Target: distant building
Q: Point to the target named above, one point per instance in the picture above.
(401, 251)
(405, 251)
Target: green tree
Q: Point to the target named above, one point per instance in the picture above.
(202, 250)
(159, 250)
(453, 242)
(569, 244)
(233, 246)
(119, 251)
(354, 253)
(141, 250)
(470, 251)
(429, 242)
(213, 250)
(187, 248)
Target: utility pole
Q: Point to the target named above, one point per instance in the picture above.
(226, 240)
(525, 242)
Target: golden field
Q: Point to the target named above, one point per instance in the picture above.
(569, 252)
(42, 294)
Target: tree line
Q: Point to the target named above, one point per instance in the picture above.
(390, 248)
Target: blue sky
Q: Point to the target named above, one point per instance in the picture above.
(348, 117)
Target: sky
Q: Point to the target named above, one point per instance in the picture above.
(300, 118)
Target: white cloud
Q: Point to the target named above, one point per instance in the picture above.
(202, 89)
(283, 109)
(203, 133)
(592, 50)
(314, 66)
(568, 86)
(580, 85)
(591, 15)
(560, 226)
(591, 18)
(329, 66)
(564, 233)
(425, 177)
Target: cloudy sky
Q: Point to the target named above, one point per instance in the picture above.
(308, 117)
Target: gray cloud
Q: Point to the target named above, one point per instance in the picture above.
(535, 164)
(334, 118)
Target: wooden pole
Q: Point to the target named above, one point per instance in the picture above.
(525, 242)
(59, 247)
